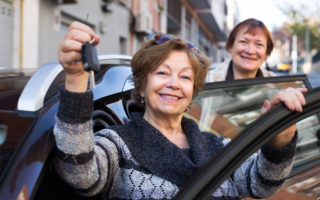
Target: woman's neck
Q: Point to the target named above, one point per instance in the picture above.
(242, 74)
(170, 127)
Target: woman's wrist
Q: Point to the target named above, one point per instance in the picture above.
(283, 138)
(77, 82)
(280, 154)
(75, 108)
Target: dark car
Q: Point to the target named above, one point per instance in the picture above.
(225, 108)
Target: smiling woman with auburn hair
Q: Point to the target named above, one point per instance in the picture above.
(249, 45)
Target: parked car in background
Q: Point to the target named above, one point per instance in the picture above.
(228, 108)
(283, 67)
(286, 66)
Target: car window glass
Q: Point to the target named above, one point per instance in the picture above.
(12, 131)
(227, 110)
(3, 133)
(10, 90)
(308, 146)
(303, 182)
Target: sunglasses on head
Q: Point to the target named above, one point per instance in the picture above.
(160, 39)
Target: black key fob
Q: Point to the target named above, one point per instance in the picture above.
(89, 57)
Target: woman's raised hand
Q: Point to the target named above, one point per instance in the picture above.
(294, 100)
(69, 55)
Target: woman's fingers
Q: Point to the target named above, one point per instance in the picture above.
(293, 98)
(70, 45)
(83, 28)
(69, 58)
(266, 106)
(96, 40)
(293, 102)
(69, 52)
(82, 33)
(79, 35)
(69, 55)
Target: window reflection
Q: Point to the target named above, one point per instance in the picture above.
(309, 138)
(227, 111)
(12, 131)
(3, 133)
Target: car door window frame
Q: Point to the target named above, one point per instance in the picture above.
(249, 141)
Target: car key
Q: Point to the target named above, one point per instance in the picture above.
(90, 61)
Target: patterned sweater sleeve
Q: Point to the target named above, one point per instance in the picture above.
(86, 164)
(263, 173)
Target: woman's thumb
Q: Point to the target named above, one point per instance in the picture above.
(266, 106)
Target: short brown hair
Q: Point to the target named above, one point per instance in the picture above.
(151, 55)
(251, 24)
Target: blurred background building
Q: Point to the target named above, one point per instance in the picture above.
(297, 41)
(31, 29)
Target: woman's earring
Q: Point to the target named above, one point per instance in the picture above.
(142, 100)
(188, 108)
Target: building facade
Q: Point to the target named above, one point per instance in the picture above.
(31, 29)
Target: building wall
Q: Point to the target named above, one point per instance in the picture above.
(16, 45)
(112, 26)
(30, 42)
(218, 9)
(49, 31)
(6, 39)
(155, 9)
(156, 14)
(38, 26)
(231, 15)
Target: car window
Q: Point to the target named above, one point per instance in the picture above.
(309, 139)
(3, 133)
(303, 182)
(10, 90)
(227, 108)
(11, 135)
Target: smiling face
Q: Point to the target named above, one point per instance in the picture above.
(169, 88)
(248, 52)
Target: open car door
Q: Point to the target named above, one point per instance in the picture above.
(232, 109)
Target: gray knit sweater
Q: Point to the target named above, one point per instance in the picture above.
(135, 161)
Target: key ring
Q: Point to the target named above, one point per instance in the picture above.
(93, 40)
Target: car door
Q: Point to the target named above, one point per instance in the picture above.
(232, 109)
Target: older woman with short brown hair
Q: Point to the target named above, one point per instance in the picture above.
(249, 45)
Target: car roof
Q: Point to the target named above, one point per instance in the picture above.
(34, 94)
